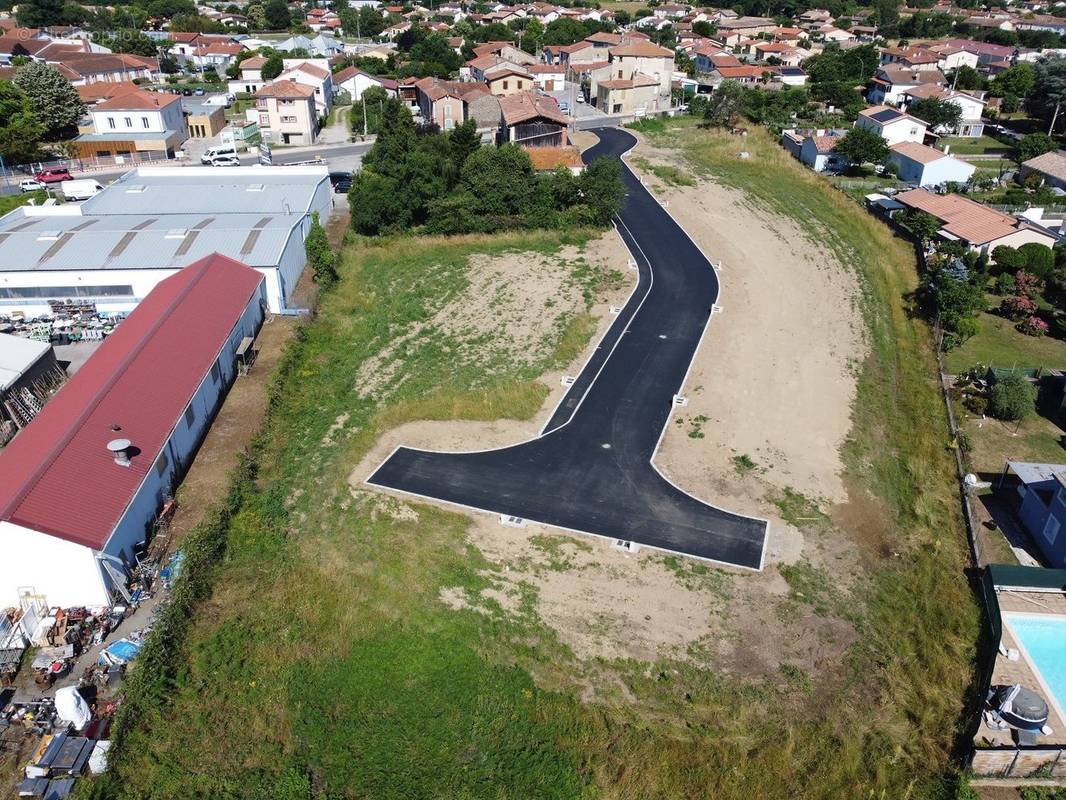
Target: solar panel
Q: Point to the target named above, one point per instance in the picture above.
(886, 115)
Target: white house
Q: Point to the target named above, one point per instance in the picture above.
(134, 122)
(815, 148)
(314, 73)
(892, 125)
(927, 166)
(354, 81)
(81, 485)
(971, 106)
(891, 83)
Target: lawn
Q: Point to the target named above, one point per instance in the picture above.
(9, 202)
(975, 146)
(324, 664)
(999, 344)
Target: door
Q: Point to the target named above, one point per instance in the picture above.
(549, 86)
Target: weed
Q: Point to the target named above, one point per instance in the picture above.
(743, 464)
(798, 510)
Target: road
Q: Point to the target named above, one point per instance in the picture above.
(591, 469)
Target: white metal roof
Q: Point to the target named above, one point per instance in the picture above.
(17, 355)
(1035, 472)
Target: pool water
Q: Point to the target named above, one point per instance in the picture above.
(1044, 639)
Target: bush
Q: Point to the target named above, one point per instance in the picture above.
(1012, 399)
(1032, 326)
(1017, 307)
(1005, 284)
(320, 255)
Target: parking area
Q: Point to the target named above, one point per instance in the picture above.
(568, 99)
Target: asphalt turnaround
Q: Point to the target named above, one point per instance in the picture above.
(590, 470)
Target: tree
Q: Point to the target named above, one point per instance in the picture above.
(256, 16)
(20, 130)
(1013, 398)
(1048, 94)
(41, 13)
(1017, 81)
(320, 255)
(1033, 145)
(373, 102)
(500, 179)
(602, 188)
(861, 146)
(54, 101)
(724, 104)
(922, 225)
(273, 67)
(940, 114)
(464, 140)
(276, 15)
(1037, 259)
(966, 77)
(376, 205)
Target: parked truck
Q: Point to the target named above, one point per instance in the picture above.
(80, 189)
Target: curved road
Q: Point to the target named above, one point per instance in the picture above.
(591, 468)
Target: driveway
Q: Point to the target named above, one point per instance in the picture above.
(591, 470)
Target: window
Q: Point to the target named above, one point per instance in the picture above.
(520, 84)
(288, 119)
(26, 292)
(144, 121)
(619, 74)
(190, 416)
(1051, 529)
(505, 84)
(448, 110)
(161, 464)
(128, 122)
(111, 122)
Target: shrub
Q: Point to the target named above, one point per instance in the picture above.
(1017, 306)
(1032, 326)
(1005, 284)
(1012, 398)
(320, 255)
(1028, 284)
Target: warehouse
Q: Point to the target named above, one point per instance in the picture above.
(114, 248)
(29, 372)
(81, 485)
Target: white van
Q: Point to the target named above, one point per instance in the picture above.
(80, 189)
(216, 151)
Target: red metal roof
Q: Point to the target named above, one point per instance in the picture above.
(57, 475)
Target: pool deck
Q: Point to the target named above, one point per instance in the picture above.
(1021, 671)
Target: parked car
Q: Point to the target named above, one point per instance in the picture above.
(580, 99)
(225, 161)
(218, 151)
(80, 190)
(53, 175)
(342, 181)
(186, 92)
(564, 107)
(30, 185)
(199, 90)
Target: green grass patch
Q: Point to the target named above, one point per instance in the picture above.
(668, 174)
(970, 146)
(999, 343)
(743, 464)
(9, 202)
(798, 510)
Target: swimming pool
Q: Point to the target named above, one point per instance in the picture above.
(1043, 638)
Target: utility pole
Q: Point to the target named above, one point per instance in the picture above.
(1054, 118)
(363, 98)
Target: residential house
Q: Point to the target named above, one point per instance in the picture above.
(250, 76)
(1051, 167)
(354, 81)
(709, 57)
(286, 113)
(978, 227)
(731, 31)
(971, 106)
(986, 52)
(548, 77)
(926, 166)
(1041, 490)
(529, 119)
(507, 79)
(951, 58)
(745, 73)
(215, 55)
(892, 125)
(314, 73)
(321, 46)
(790, 76)
(912, 58)
(135, 124)
(85, 68)
(203, 121)
(441, 102)
(890, 83)
(815, 148)
(643, 71)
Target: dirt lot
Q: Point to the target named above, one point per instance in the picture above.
(776, 385)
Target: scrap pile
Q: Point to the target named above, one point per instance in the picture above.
(69, 324)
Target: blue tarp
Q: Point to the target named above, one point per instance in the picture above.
(119, 652)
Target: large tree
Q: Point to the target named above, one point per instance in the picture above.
(276, 15)
(940, 114)
(20, 130)
(54, 101)
(1033, 145)
(860, 146)
(1047, 99)
(41, 13)
(725, 103)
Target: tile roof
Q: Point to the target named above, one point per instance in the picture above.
(1052, 164)
(547, 158)
(137, 100)
(255, 62)
(963, 218)
(309, 69)
(918, 152)
(99, 90)
(57, 475)
(826, 143)
(285, 89)
(641, 50)
(521, 106)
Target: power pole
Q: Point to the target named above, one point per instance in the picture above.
(1054, 118)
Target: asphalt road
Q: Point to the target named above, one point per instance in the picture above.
(592, 471)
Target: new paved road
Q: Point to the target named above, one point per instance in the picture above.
(591, 470)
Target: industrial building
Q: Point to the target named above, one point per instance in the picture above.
(81, 485)
(115, 247)
(28, 373)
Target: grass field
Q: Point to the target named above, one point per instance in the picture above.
(9, 202)
(324, 664)
(1000, 344)
(976, 146)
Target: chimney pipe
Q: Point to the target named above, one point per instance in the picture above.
(119, 448)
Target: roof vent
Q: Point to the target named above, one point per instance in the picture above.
(120, 448)
(48, 236)
(255, 187)
(137, 188)
(177, 233)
